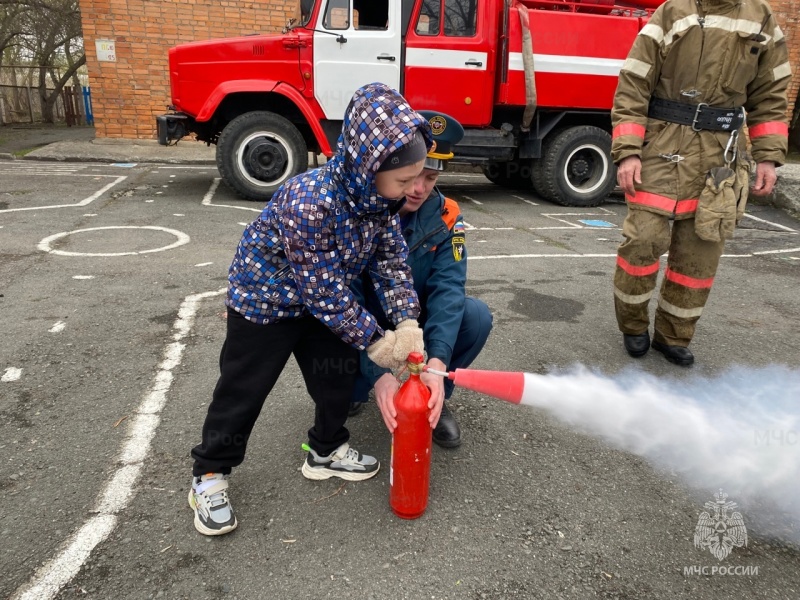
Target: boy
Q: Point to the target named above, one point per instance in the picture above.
(289, 293)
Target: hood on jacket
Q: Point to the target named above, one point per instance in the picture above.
(378, 121)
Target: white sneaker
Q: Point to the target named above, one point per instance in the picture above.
(208, 497)
(344, 462)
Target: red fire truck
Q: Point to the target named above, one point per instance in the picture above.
(532, 81)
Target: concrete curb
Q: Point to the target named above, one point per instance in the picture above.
(787, 190)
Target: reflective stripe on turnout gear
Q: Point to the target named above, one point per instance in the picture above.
(648, 199)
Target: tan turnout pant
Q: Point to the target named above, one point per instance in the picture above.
(691, 266)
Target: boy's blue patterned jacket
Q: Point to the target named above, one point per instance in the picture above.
(322, 228)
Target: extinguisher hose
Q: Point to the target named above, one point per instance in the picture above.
(449, 375)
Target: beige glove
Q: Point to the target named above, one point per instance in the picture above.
(409, 339)
(392, 350)
(382, 352)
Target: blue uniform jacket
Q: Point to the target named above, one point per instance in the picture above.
(323, 228)
(438, 261)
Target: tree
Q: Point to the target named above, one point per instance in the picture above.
(46, 34)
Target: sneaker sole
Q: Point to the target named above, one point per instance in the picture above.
(325, 473)
(198, 524)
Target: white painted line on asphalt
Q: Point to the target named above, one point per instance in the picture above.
(567, 226)
(786, 251)
(83, 202)
(473, 200)
(778, 225)
(205, 264)
(90, 214)
(83, 276)
(120, 489)
(506, 256)
(37, 169)
(63, 568)
(11, 374)
(58, 327)
(206, 167)
(44, 245)
(210, 194)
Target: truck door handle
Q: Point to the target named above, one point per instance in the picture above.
(386, 57)
(474, 63)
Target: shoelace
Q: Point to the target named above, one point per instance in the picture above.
(351, 456)
(213, 500)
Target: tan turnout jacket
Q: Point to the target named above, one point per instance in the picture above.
(725, 53)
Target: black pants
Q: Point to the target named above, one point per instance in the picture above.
(252, 358)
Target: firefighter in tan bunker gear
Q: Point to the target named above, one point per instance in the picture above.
(696, 70)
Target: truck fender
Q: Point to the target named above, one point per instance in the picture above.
(311, 115)
(225, 88)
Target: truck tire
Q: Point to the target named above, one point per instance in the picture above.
(513, 174)
(258, 151)
(576, 167)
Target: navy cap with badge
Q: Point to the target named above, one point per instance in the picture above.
(447, 132)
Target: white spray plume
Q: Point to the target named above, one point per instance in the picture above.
(739, 430)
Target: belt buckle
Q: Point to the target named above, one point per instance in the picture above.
(697, 116)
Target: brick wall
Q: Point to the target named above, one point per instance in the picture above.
(128, 93)
(786, 12)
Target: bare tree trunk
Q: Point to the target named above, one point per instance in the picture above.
(49, 100)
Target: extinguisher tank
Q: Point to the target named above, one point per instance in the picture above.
(410, 469)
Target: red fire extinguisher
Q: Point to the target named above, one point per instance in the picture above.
(410, 468)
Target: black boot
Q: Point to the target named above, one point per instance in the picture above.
(675, 354)
(637, 345)
(447, 434)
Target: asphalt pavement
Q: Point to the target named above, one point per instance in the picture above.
(114, 260)
(78, 144)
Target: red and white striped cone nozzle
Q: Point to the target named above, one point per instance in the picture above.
(504, 385)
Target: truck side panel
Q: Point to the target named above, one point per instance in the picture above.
(577, 58)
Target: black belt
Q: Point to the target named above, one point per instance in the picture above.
(698, 116)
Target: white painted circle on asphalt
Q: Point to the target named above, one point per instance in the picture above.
(44, 245)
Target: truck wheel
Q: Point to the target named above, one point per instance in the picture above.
(576, 168)
(513, 174)
(258, 151)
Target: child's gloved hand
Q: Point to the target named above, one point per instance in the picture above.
(409, 339)
(382, 352)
